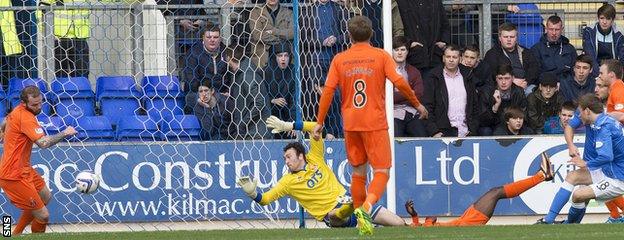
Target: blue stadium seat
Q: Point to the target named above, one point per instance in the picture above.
(181, 128)
(162, 97)
(94, 128)
(161, 109)
(137, 128)
(52, 125)
(17, 84)
(529, 23)
(73, 97)
(162, 86)
(117, 96)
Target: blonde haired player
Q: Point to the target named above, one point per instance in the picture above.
(312, 183)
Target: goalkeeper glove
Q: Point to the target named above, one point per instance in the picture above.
(248, 185)
(278, 125)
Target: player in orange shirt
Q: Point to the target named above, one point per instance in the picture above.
(611, 73)
(360, 72)
(20, 182)
(480, 212)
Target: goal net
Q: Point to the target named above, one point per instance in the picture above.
(162, 118)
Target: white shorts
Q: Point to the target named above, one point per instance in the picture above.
(607, 188)
(596, 175)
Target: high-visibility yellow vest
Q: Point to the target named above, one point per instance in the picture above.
(71, 23)
(10, 42)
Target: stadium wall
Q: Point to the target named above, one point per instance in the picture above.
(145, 182)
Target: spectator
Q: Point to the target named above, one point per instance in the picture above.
(450, 98)
(406, 122)
(71, 32)
(554, 51)
(603, 41)
(213, 114)
(543, 103)
(514, 123)
(250, 105)
(494, 100)
(397, 24)
(580, 81)
(480, 73)
(555, 125)
(326, 30)
(186, 30)
(280, 84)
(525, 66)
(270, 25)
(204, 62)
(425, 23)
(372, 10)
(18, 51)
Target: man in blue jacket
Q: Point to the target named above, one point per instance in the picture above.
(580, 81)
(603, 41)
(554, 50)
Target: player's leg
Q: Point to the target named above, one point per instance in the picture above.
(576, 177)
(603, 190)
(23, 194)
(377, 145)
(614, 207)
(487, 203)
(357, 159)
(383, 216)
(40, 220)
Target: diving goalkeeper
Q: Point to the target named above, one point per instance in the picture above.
(312, 183)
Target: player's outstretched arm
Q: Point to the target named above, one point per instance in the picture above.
(279, 125)
(249, 187)
(50, 140)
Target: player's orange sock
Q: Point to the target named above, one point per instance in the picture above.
(23, 221)
(619, 201)
(613, 209)
(516, 188)
(377, 188)
(38, 226)
(358, 189)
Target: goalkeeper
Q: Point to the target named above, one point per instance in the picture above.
(312, 183)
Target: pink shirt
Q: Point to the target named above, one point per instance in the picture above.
(457, 101)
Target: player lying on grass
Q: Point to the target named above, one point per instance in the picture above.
(480, 212)
(312, 183)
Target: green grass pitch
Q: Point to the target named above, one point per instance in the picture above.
(576, 231)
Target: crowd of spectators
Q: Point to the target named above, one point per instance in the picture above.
(232, 85)
(511, 90)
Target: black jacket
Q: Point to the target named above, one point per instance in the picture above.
(487, 118)
(540, 109)
(202, 66)
(495, 57)
(425, 21)
(502, 130)
(436, 101)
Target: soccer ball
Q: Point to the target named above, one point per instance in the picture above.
(87, 182)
